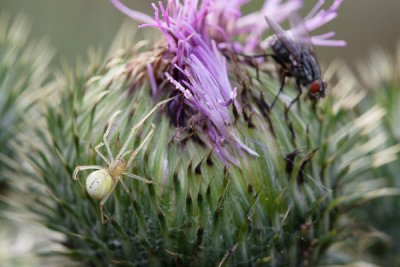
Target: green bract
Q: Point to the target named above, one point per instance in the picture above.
(23, 72)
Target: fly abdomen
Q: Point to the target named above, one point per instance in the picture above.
(310, 68)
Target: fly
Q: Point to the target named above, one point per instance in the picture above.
(297, 59)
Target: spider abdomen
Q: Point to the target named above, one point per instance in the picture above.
(99, 184)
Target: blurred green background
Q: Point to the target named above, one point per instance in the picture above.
(74, 25)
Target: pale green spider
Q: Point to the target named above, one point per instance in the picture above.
(100, 184)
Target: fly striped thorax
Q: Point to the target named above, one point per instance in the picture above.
(298, 60)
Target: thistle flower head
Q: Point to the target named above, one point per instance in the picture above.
(198, 70)
(284, 208)
(195, 31)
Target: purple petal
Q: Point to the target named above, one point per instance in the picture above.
(135, 15)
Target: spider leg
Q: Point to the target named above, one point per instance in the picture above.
(137, 150)
(104, 200)
(126, 153)
(97, 149)
(82, 168)
(140, 178)
(137, 125)
(106, 133)
(125, 188)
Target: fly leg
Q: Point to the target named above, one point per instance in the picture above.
(283, 77)
(296, 99)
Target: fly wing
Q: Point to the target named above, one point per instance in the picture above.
(293, 48)
(300, 32)
(302, 36)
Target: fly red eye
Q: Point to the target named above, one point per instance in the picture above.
(315, 87)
